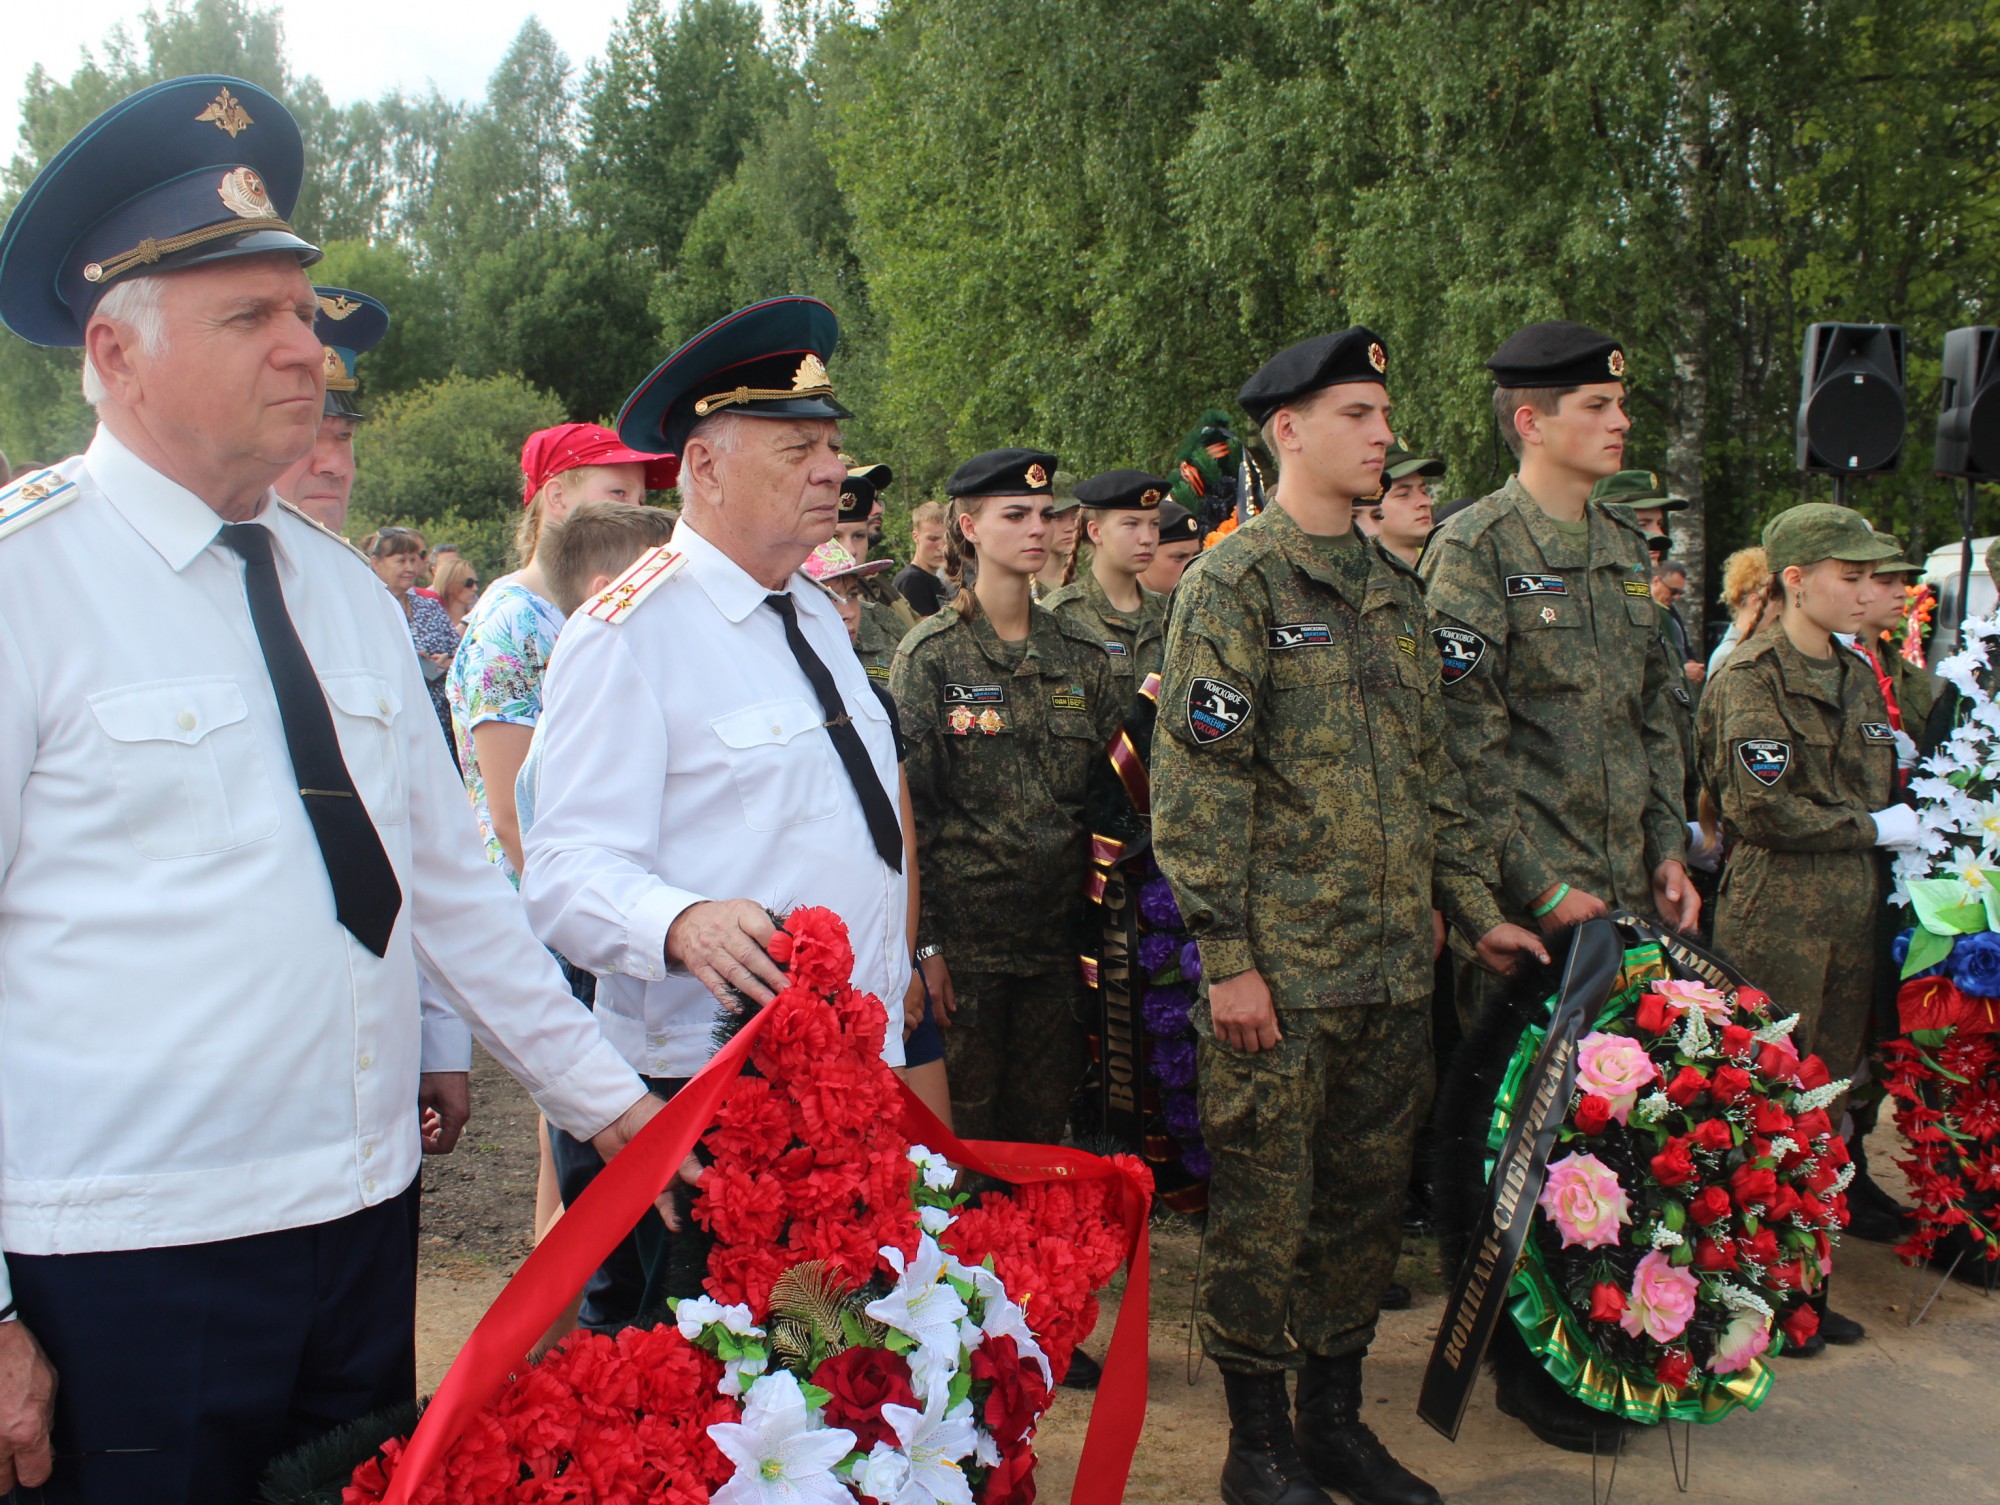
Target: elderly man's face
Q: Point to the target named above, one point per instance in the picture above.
(240, 382)
(782, 481)
(319, 484)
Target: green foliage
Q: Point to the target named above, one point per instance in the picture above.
(446, 459)
(43, 416)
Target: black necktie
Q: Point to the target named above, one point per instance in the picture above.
(875, 802)
(366, 896)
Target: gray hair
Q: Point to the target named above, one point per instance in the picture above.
(139, 306)
(723, 430)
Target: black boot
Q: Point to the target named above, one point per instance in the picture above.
(1872, 1213)
(1833, 1327)
(1338, 1447)
(1084, 1372)
(1263, 1466)
(1396, 1297)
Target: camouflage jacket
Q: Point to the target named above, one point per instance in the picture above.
(1136, 641)
(1791, 769)
(1558, 698)
(1304, 807)
(880, 590)
(1002, 738)
(875, 640)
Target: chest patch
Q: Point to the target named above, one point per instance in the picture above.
(1215, 709)
(1637, 588)
(1681, 695)
(1536, 585)
(1068, 700)
(1764, 759)
(1300, 635)
(1115, 648)
(1877, 731)
(975, 694)
(1405, 644)
(1459, 651)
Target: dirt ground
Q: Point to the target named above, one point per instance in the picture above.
(1906, 1415)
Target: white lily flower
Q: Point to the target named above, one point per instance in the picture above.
(934, 1440)
(782, 1452)
(924, 1308)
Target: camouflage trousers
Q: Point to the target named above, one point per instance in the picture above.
(1311, 1142)
(1014, 1053)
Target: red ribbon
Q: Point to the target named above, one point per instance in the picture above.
(591, 1228)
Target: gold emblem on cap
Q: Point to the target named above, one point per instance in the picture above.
(1616, 362)
(228, 114)
(1652, 480)
(242, 193)
(811, 375)
(337, 308)
(92, 272)
(332, 364)
(1378, 357)
(1150, 497)
(1037, 477)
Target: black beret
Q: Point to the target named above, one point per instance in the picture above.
(1557, 353)
(1004, 472)
(1325, 360)
(1122, 491)
(857, 498)
(1177, 524)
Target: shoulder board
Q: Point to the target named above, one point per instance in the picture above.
(33, 497)
(652, 570)
(1621, 513)
(1471, 525)
(1396, 565)
(1075, 631)
(319, 527)
(1062, 595)
(938, 622)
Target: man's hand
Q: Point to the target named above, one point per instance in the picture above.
(1674, 897)
(623, 1129)
(1504, 946)
(721, 942)
(1695, 672)
(444, 1103)
(1437, 934)
(1244, 1016)
(913, 1003)
(1576, 907)
(938, 976)
(27, 1407)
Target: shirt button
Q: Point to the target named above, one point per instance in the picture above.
(366, 1062)
(368, 1152)
(368, 1186)
(382, 706)
(776, 730)
(186, 721)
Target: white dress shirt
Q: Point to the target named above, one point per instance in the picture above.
(685, 757)
(192, 1048)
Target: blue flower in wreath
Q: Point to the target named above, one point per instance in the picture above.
(1191, 961)
(1155, 951)
(1183, 1117)
(1173, 1062)
(1157, 907)
(1165, 1011)
(1974, 964)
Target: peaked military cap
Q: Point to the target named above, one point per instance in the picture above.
(1813, 531)
(188, 171)
(1325, 360)
(1122, 491)
(1637, 488)
(857, 498)
(764, 361)
(878, 476)
(349, 324)
(1004, 472)
(1557, 353)
(1177, 524)
(1398, 462)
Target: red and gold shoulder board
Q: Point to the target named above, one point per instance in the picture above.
(648, 573)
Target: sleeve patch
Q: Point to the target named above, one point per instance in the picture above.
(1536, 585)
(1459, 649)
(1215, 709)
(1764, 759)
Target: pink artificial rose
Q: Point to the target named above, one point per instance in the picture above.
(1614, 1067)
(1743, 1338)
(1662, 1299)
(1688, 994)
(1583, 1197)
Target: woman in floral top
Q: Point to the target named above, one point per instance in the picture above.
(398, 556)
(495, 684)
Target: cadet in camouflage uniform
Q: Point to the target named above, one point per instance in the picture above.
(1121, 519)
(1913, 689)
(1004, 711)
(1309, 820)
(1798, 756)
(893, 615)
(1558, 699)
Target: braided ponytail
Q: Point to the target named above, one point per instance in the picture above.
(961, 559)
(1083, 517)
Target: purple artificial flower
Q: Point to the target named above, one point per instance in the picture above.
(1183, 1117)
(1195, 1159)
(1155, 951)
(1157, 907)
(1191, 962)
(1173, 1062)
(1165, 1011)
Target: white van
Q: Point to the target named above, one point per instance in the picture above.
(1941, 572)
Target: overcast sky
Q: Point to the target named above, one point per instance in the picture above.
(358, 49)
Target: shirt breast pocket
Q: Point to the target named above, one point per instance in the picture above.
(364, 716)
(1309, 712)
(1547, 654)
(784, 774)
(191, 777)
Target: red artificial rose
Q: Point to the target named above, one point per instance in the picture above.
(1730, 1083)
(1709, 1205)
(1791, 1276)
(1656, 1015)
(1737, 1041)
(1767, 1117)
(1810, 1126)
(1753, 1001)
(1813, 1073)
(1799, 1324)
(1715, 1254)
(1674, 1166)
(1687, 1085)
(1012, 1481)
(1675, 1367)
(1814, 1212)
(859, 1382)
(1778, 1060)
(1759, 1248)
(1593, 1114)
(1712, 1134)
(1835, 1154)
(1751, 1184)
(1819, 1176)
(1019, 1393)
(1607, 1302)
(1783, 1203)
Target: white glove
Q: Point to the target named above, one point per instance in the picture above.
(1906, 751)
(1896, 827)
(1703, 854)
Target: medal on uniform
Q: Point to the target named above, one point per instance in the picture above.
(960, 720)
(1549, 614)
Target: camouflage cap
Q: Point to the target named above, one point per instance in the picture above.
(1813, 531)
(1063, 490)
(1398, 462)
(1637, 488)
(1898, 565)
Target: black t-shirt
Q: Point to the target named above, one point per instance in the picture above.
(923, 590)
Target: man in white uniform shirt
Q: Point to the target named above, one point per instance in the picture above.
(711, 747)
(228, 836)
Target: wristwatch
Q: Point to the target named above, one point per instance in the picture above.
(925, 953)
